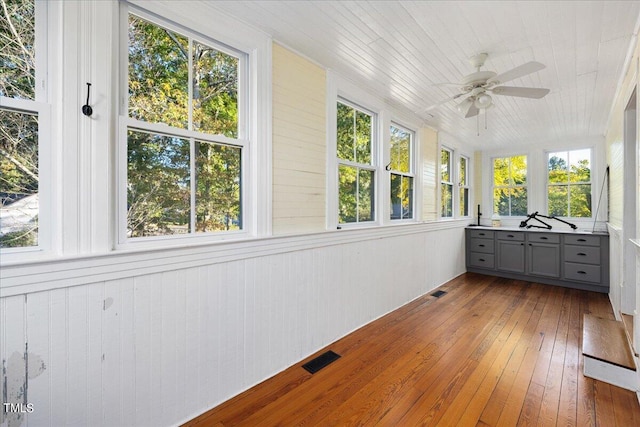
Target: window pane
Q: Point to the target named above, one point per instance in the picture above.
(158, 185)
(363, 138)
(17, 55)
(519, 201)
(345, 135)
(401, 197)
(445, 165)
(501, 172)
(354, 133)
(18, 179)
(347, 194)
(215, 91)
(447, 200)
(580, 200)
(400, 150)
(580, 168)
(217, 187)
(366, 197)
(501, 201)
(463, 171)
(518, 170)
(158, 74)
(558, 197)
(558, 167)
(464, 201)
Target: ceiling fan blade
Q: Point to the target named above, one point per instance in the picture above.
(522, 92)
(472, 111)
(448, 84)
(437, 104)
(522, 70)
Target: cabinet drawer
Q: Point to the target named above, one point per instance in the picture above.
(582, 272)
(510, 235)
(483, 234)
(543, 237)
(481, 260)
(583, 254)
(582, 239)
(482, 245)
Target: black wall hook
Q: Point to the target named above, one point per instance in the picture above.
(86, 108)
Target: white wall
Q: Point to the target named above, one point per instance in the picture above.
(157, 337)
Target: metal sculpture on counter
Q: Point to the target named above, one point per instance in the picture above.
(535, 215)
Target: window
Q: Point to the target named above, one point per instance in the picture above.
(24, 115)
(510, 186)
(569, 184)
(463, 185)
(356, 173)
(401, 177)
(185, 130)
(446, 183)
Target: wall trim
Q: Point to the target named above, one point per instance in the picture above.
(42, 275)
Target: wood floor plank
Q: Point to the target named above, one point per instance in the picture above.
(585, 402)
(490, 352)
(551, 399)
(469, 404)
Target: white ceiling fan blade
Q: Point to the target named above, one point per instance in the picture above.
(437, 104)
(522, 92)
(472, 111)
(522, 70)
(448, 84)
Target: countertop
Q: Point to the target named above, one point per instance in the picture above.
(539, 230)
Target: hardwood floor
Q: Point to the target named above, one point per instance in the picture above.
(490, 352)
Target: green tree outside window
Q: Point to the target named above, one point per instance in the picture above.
(569, 184)
(178, 184)
(356, 176)
(510, 186)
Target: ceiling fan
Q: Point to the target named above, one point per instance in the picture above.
(476, 88)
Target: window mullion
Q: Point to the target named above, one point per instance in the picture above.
(190, 87)
(193, 183)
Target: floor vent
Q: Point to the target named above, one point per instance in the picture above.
(321, 361)
(438, 294)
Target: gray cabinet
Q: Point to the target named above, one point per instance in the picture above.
(510, 256)
(480, 248)
(543, 254)
(582, 259)
(558, 258)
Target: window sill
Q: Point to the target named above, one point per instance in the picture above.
(62, 272)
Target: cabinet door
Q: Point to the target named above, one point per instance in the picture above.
(543, 259)
(510, 256)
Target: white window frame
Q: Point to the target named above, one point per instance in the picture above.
(411, 174)
(527, 186)
(452, 175)
(569, 184)
(463, 185)
(254, 97)
(361, 166)
(45, 39)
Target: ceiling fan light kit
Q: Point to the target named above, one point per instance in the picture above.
(477, 87)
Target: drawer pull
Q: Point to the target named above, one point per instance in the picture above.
(510, 235)
(481, 234)
(481, 259)
(482, 246)
(581, 254)
(543, 238)
(581, 272)
(582, 240)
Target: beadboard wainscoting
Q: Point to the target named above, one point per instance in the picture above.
(616, 270)
(157, 337)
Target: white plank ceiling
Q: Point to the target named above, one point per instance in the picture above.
(401, 50)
